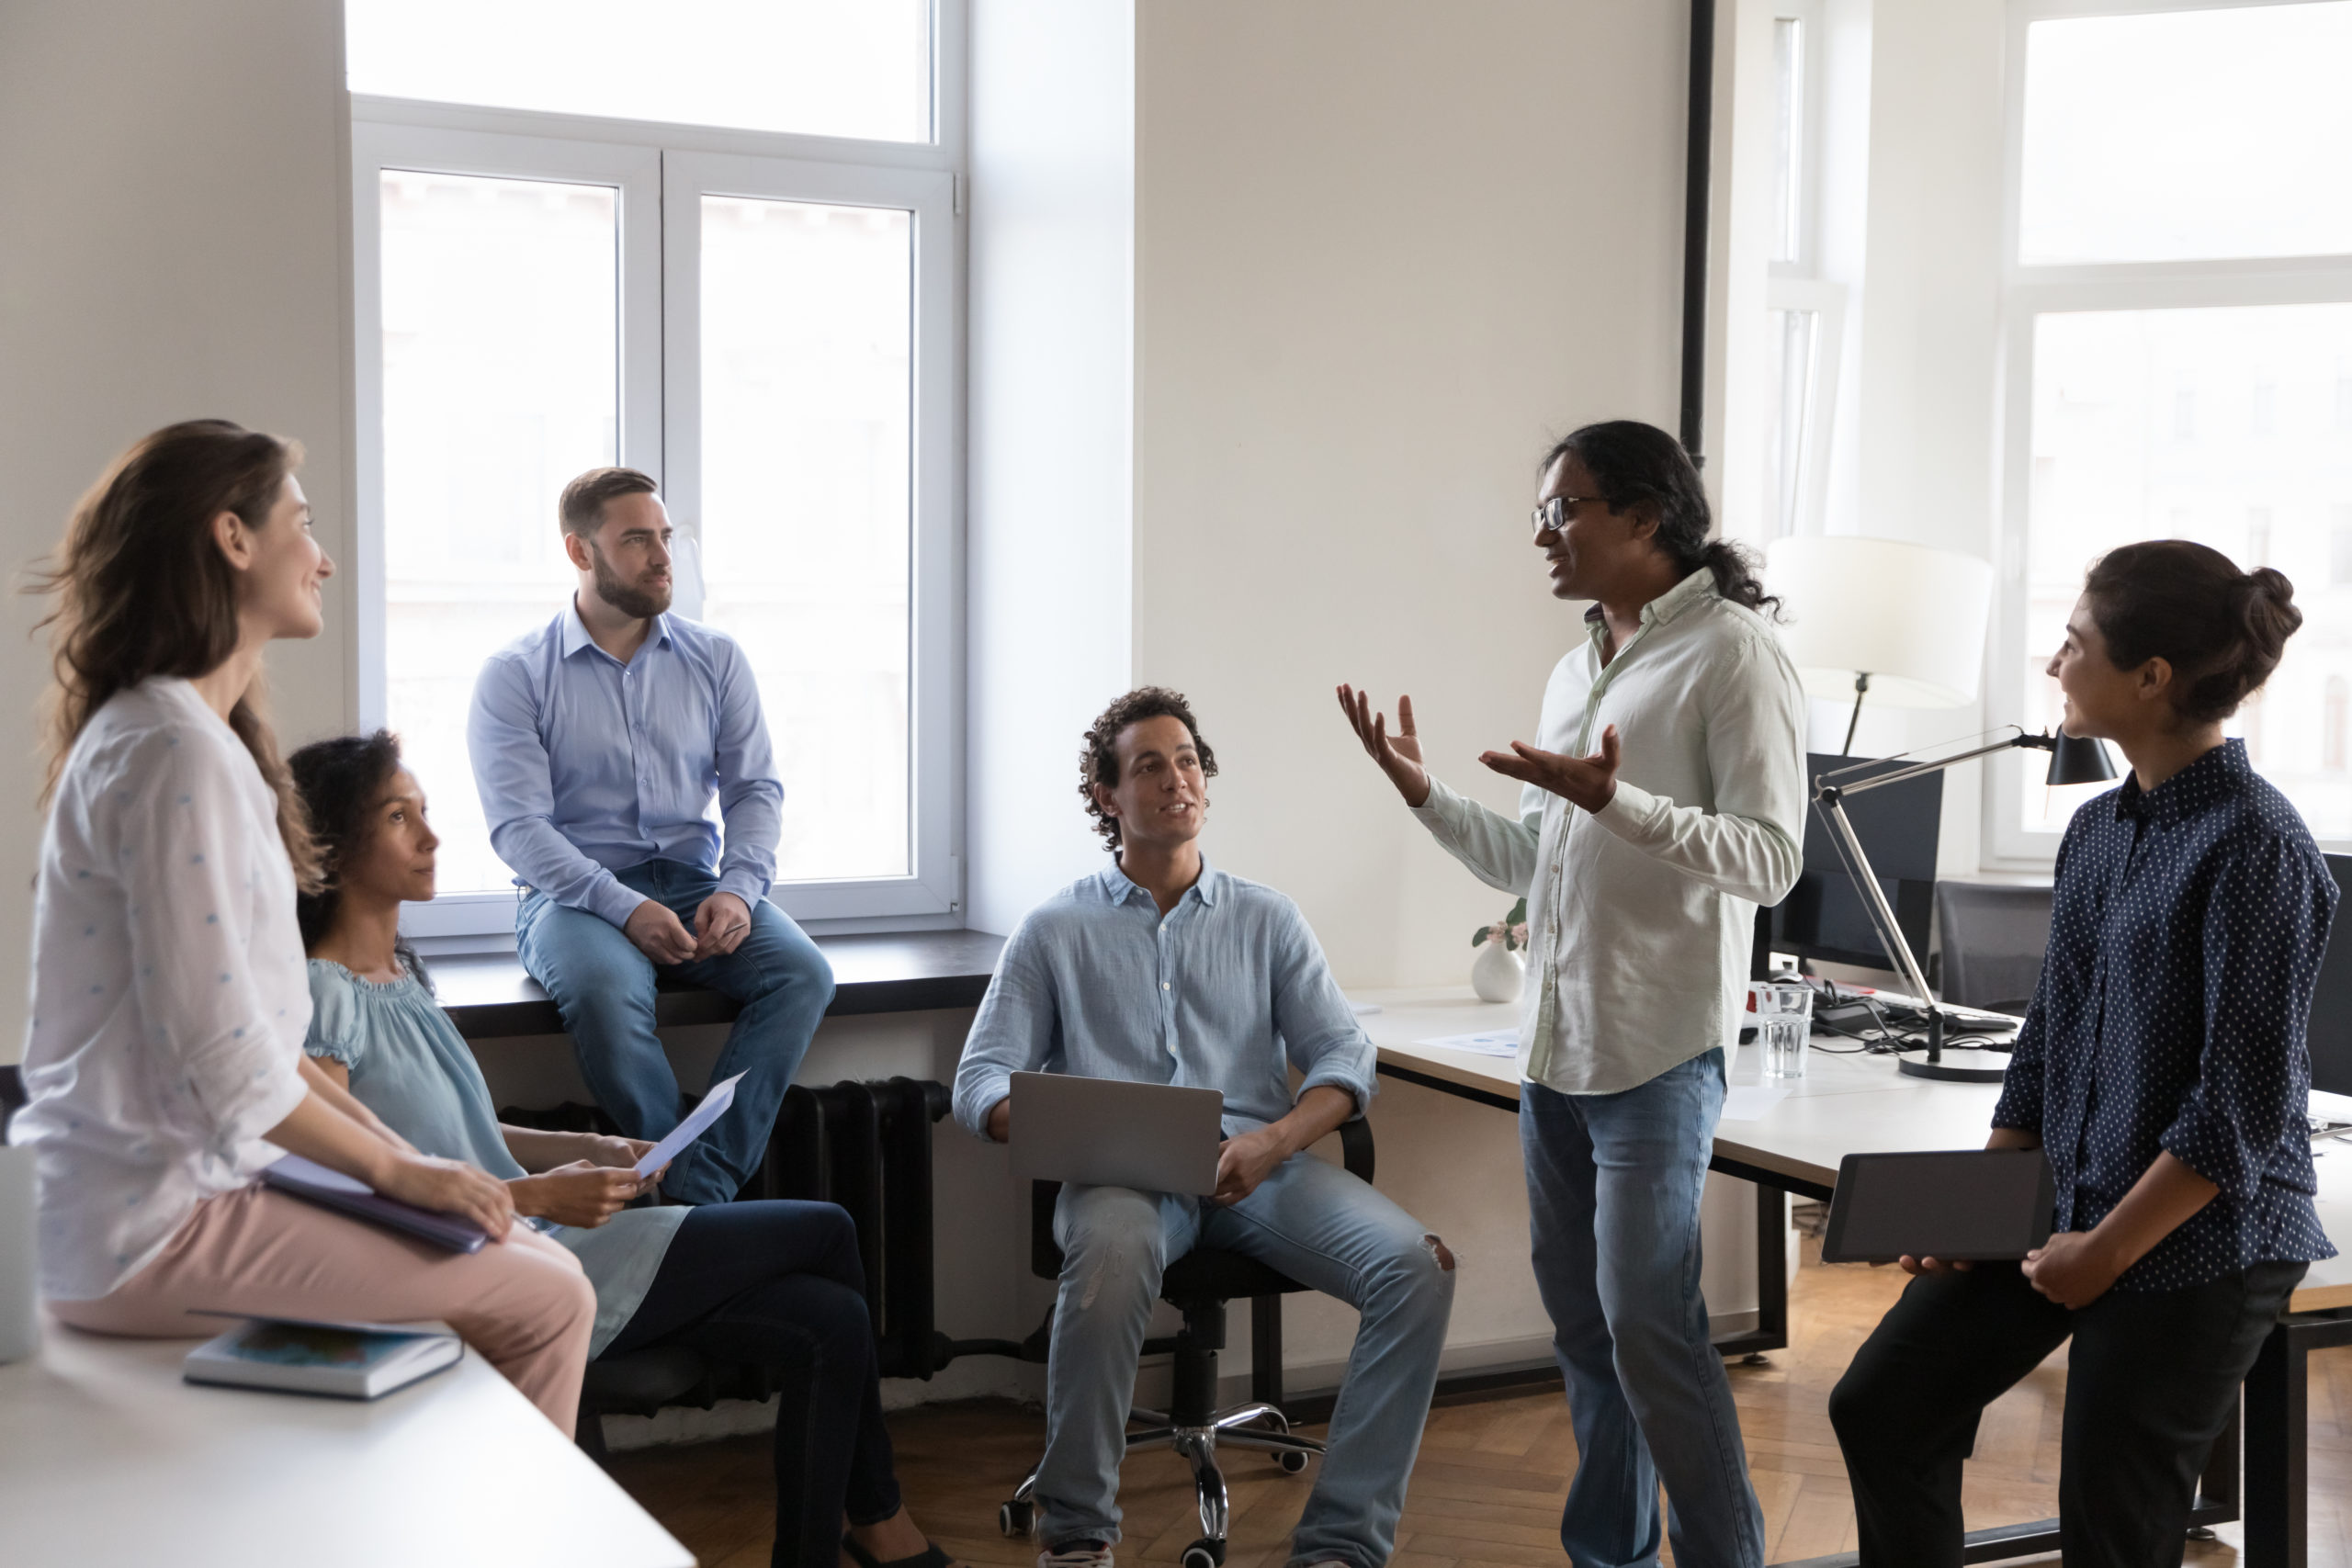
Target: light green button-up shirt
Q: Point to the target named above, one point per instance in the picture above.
(1641, 918)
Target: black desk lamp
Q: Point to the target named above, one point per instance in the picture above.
(2074, 760)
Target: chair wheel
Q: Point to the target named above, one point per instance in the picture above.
(1292, 1461)
(1204, 1554)
(1017, 1519)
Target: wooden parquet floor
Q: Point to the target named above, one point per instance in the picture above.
(1492, 1472)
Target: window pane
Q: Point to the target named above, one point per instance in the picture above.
(2216, 425)
(806, 383)
(2189, 134)
(819, 67)
(1788, 138)
(1790, 345)
(501, 382)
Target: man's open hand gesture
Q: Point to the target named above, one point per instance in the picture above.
(1589, 781)
(1399, 755)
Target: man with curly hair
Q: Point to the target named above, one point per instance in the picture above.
(1160, 968)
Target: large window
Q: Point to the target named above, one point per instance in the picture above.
(763, 322)
(1804, 313)
(2179, 350)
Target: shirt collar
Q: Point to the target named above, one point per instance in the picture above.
(2223, 770)
(575, 630)
(1699, 585)
(1118, 886)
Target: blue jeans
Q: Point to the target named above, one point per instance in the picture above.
(604, 987)
(1612, 1194)
(1311, 1221)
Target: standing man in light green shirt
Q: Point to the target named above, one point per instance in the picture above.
(1662, 801)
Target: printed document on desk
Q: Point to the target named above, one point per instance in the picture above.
(1501, 1042)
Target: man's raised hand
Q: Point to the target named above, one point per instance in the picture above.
(1399, 755)
(1589, 781)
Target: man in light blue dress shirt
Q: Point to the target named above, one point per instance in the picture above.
(598, 741)
(1161, 968)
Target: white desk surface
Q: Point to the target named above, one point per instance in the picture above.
(107, 1457)
(1844, 1104)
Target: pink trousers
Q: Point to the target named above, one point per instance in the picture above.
(522, 1303)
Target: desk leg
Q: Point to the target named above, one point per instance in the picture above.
(1773, 1264)
(2278, 1497)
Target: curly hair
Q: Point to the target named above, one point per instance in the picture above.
(1098, 760)
(339, 781)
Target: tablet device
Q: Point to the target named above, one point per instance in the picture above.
(1972, 1204)
(1107, 1133)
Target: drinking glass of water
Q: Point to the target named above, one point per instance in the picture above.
(1783, 1027)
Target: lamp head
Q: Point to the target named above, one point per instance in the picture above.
(2074, 759)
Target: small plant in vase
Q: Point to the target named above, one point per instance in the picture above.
(1498, 972)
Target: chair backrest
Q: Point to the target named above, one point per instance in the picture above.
(1994, 935)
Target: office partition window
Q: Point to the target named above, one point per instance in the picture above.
(1805, 312)
(756, 302)
(2177, 356)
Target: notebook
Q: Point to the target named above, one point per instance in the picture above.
(340, 1360)
(309, 1180)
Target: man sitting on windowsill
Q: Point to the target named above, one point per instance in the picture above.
(1162, 969)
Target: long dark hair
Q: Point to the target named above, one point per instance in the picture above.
(2221, 629)
(1636, 464)
(339, 781)
(139, 590)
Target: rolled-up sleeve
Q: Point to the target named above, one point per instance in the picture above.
(1318, 1029)
(1013, 1032)
(2266, 927)
(182, 836)
(517, 789)
(751, 795)
(1749, 842)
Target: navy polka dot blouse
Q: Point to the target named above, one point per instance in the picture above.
(2185, 937)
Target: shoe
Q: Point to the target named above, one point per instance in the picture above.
(1076, 1554)
(930, 1556)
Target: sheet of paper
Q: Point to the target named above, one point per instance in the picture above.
(1747, 1101)
(1363, 1009)
(1502, 1043)
(714, 1105)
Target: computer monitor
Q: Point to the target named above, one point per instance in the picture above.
(1824, 918)
(2331, 1027)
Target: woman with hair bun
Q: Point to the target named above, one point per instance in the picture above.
(2162, 1066)
(165, 1066)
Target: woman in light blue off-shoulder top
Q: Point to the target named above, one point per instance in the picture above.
(774, 1284)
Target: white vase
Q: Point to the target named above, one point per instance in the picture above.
(1498, 974)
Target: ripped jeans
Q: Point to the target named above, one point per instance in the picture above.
(1314, 1223)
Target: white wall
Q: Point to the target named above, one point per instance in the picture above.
(1051, 430)
(172, 207)
(1385, 250)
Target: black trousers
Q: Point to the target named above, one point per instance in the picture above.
(778, 1284)
(2150, 1382)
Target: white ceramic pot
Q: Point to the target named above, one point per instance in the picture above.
(1498, 975)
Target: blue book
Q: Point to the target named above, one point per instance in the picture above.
(342, 1360)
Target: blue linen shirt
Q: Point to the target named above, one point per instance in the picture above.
(1215, 996)
(2185, 937)
(588, 766)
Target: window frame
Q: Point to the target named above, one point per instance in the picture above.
(650, 163)
(2030, 291)
(1797, 284)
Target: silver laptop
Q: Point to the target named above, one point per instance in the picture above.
(1103, 1132)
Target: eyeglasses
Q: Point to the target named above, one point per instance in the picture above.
(1553, 515)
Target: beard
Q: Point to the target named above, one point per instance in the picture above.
(624, 595)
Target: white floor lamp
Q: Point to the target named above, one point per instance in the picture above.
(1900, 623)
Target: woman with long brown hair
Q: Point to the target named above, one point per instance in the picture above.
(165, 1066)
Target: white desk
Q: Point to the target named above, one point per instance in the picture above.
(1860, 1104)
(107, 1458)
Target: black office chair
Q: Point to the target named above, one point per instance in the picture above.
(1199, 1284)
(1993, 936)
